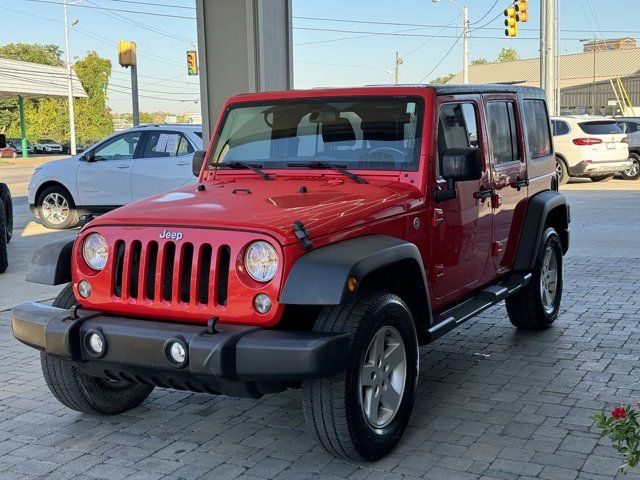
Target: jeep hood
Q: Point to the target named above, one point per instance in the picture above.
(246, 203)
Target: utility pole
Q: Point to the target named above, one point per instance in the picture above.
(72, 121)
(547, 30)
(396, 70)
(465, 45)
(134, 95)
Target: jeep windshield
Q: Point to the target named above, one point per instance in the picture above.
(365, 133)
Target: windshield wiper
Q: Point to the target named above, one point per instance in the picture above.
(250, 166)
(338, 168)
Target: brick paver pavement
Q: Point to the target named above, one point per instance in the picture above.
(492, 403)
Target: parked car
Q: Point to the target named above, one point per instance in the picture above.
(631, 127)
(66, 147)
(331, 233)
(8, 152)
(589, 146)
(16, 143)
(6, 217)
(46, 145)
(118, 170)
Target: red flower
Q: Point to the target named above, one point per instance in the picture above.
(619, 412)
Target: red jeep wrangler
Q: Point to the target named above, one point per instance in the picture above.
(332, 232)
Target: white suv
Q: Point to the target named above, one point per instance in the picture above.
(124, 167)
(46, 145)
(588, 146)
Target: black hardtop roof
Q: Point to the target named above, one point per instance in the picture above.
(450, 89)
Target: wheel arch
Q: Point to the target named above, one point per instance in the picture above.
(545, 209)
(51, 263)
(377, 262)
(52, 183)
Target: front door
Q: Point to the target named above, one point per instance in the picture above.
(165, 164)
(105, 180)
(462, 226)
(509, 173)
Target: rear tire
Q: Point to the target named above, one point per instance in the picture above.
(84, 393)
(562, 171)
(536, 306)
(4, 261)
(5, 197)
(602, 178)
(362, 412)
(633, 172)
(56, 208)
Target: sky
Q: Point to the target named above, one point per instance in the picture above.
(334, 47)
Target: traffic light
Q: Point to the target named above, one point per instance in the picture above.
(127, 53)
(510, 22)
(521, 11)
(192, 62)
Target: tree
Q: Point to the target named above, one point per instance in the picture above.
(480, 61)
(443, 78)
(508, 55)
(93, 118)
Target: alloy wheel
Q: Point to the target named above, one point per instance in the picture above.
(634, 169)
(382, 377)
(55, 208)
(549, 279)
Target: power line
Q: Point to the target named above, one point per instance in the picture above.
(98, 7)
(442, 59)
(486, 13)
(431, 39)
(136, 2)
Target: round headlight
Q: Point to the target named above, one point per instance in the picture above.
(95, 251)
(261, 261)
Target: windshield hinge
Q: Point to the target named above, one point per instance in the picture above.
(303, 236)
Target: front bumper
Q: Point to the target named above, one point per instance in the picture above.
(236, 360)
(600, 168)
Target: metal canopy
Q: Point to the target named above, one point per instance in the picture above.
(33, 80)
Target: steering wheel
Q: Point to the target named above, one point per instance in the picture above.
(402, 154)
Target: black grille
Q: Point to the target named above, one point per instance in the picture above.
(223, 274)
(167, 270)
(204, 272)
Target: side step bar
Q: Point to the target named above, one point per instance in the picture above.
(487, 297)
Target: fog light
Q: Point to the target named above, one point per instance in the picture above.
(176, 352)
(95, 343)
(84, 289)
(262, 303)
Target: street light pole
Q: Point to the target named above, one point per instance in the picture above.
(396, 72)
(72, 122)
(465, 39)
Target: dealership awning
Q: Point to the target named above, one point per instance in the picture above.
(33, 80)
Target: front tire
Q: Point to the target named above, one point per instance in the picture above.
(4, 260)
(5, 198)
(633, 172)
(362, 412)
(84, 393)
(536, 306)
(56, 208)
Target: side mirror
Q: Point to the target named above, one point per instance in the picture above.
(459, 165)
(3, 141)
(88, 157)
(198, 160)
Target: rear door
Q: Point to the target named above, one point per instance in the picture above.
(165, 164)
(508, 169)
(106, 180)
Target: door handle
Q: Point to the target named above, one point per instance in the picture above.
(182, 163)
(122, 167)
(518, 184)
(484, 194)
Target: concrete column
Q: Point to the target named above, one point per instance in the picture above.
(243, 46)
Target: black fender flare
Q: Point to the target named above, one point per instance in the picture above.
(538, 209)
(51, 263)
(320, 277)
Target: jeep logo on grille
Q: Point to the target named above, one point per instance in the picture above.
(167, 235)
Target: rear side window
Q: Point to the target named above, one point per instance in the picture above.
(600, 128)
(503, 130)
(537, 128)
(559, 128)
(457, 127)
(167, 144)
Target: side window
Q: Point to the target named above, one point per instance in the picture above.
(503, 131)
(120, 148)
(631, 127)
(166, 144)
(624, 126)
(537, 128)
(457, 127)
(560, 128)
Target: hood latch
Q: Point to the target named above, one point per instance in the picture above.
(301, 233)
